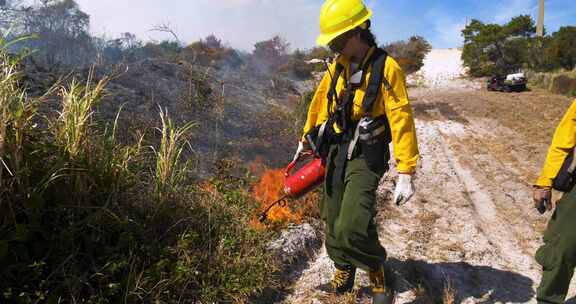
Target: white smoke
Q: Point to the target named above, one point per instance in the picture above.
(240, 23)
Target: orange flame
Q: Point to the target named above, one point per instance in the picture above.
(270, 188)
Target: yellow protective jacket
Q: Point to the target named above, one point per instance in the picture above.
(563, 142)
(394, 104)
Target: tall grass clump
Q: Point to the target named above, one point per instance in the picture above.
(16, 120)
(170, 169)
(87, 217)
(75, 118)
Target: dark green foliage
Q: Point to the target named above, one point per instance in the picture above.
(522, 25)
(491, 49)
(61, 31)
(496, 49)
(563, 47)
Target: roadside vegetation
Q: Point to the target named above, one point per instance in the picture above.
(86, 218)
(494, 49)
(560, 82)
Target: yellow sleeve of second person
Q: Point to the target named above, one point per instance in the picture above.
(563, 141)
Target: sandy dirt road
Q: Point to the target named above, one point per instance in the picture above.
(470, 232)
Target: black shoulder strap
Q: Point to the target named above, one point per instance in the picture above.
(332, 90)
(376, 78)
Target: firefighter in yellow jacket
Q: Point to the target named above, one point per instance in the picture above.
(558, 254)
(360, 106)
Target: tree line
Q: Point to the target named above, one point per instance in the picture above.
(60, 38)
(491, 48)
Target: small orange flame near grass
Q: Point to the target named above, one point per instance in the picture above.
(270, 188)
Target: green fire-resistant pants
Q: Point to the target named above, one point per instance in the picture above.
(348, 210)
(558, 254)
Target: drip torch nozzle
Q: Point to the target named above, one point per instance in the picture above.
(264, 215)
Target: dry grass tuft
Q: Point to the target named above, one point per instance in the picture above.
(170, 171)
(422, 295)
(448, 294)
(75, 117)
(347, 298)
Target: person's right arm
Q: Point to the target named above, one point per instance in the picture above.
(318, 111)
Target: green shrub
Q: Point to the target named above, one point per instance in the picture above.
(557, 81)
(410, 54)
(498, 49)
(563, 48)
(84, 218)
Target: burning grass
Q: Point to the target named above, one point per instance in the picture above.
(269, 188)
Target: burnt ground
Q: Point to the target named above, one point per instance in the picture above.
(470, 233)
(240, 115)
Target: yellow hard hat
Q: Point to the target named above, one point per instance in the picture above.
(340, 16)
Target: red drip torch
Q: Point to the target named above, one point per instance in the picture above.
(300, 183)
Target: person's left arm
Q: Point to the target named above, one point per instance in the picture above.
(400, 117)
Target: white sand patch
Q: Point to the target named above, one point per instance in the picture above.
(449, 127)
(443, 64)
(442, 69)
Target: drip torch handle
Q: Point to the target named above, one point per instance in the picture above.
(292, 164)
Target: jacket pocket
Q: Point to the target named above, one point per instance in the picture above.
(374, 137)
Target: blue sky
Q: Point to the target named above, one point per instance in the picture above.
(241, 23)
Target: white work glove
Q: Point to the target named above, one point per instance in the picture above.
(404, 189)
(302, 147)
